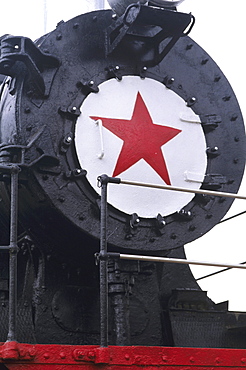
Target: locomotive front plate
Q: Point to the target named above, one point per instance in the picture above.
(126, 110)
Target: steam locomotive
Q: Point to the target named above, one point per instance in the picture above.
(123, 92)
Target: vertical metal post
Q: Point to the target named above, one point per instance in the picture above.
(13, 250)
(103, 265)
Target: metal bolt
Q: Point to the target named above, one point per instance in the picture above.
(192, 228)
(68, 139)
(214, 149)
(204, 61)
(91, 355)
(234, 117)
(61, 199)
(217, 360)
(217, 78)
(192, 360)
(73, 109)
(189, 46)
(91, 83)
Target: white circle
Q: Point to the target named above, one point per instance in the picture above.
(98, 149)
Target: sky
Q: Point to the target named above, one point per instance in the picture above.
(219, 29)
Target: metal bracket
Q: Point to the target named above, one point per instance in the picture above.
(156, 24)
(14, 49)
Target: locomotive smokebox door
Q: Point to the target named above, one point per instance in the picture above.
(130, 96)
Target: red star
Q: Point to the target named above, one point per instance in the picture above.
(142, 140)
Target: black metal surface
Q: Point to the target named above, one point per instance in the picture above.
(103, 264)
(59, 210)
(46, 149)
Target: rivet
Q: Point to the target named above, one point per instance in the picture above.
(192, 359)
(73, 109)
(127, 357)
(59, 36)
(217, 360)
(236, 139)
(235, 160)
(29, 128)
(16, 47)
(68, 139)
(91, 355)
(164, 358)
(234, 117)
(75, 26)
(32, 352)
(27, 110)
(189, 46)
(91, 83)
(191, 101)
(80, 354)
(173, 236)
(46, 356)
(214, 149)
(192, 228)
(204, 61)
(217, 78)
(243, 360)
(128, 236)
(114, 16)
(61, 199)
(62, 355)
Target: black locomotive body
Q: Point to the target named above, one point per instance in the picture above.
(44, 94)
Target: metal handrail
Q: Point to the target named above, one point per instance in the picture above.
(103, 256)
(13, 170)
